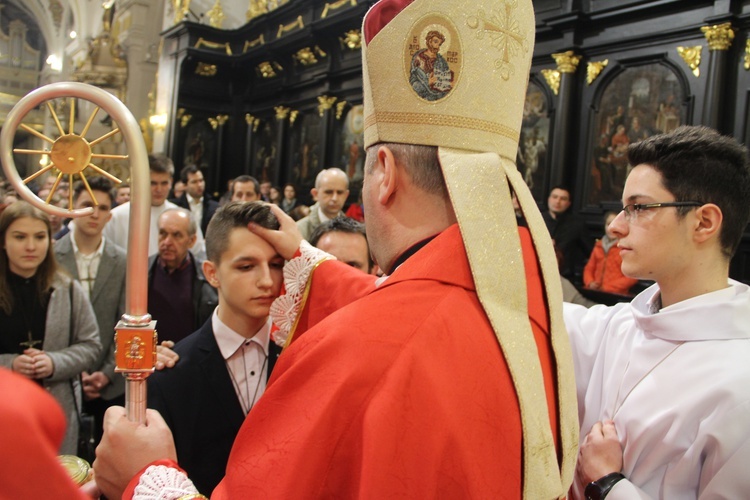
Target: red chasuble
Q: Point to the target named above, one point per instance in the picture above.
(403, 391)
(32, 426)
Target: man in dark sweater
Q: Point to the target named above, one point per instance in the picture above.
(568, 232)
(179, 297)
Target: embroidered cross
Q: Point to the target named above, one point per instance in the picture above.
(505, 35)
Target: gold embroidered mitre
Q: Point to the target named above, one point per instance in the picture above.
(464, 88)
(453, 74)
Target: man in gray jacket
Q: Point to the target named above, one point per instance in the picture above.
(330, 192)
(100, 266)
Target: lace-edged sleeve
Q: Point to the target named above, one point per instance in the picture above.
(297, 273)
(160, 482)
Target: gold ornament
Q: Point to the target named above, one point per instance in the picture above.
(256, 8)
(306, 56)
(336, 5)
(202, 42)
(249, 44)
(593, 69)
(281, 112)
(181, 9)
(268, 69)
(340, 109)
(692, 56)
(216, 15)
(204, 69)
(719, 36)
(326, 103)
(352, 40)
(553, 79)
(218, 121)
(567, 62)
(286, 28)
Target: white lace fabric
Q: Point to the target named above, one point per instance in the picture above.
(160, 482)
(286, 307)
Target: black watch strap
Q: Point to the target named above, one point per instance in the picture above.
(599, 489)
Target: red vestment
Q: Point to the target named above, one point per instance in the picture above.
(32, 426)
(402, 392)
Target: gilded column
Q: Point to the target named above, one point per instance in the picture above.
(567, 64)
(213, 184)
(252, 125)
(719, 38)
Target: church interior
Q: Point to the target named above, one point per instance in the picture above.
(273, 88)
(517, 263)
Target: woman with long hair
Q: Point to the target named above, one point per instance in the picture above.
(274, 195)
(49, 332)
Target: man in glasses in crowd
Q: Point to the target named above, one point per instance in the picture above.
(662, 381)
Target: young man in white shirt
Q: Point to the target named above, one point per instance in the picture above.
(161, 170)
(224, 366)
(663, 381)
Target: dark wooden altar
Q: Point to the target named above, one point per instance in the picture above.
(279, 98)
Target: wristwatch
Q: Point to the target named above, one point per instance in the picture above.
(597, 490)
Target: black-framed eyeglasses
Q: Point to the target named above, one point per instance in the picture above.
(634, 210)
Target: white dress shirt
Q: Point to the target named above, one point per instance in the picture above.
(246, 358)
(196, 209)
(87, 265)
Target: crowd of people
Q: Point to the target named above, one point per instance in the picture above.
(428, 352)
(61, 297)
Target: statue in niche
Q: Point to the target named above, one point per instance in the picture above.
(109, 15)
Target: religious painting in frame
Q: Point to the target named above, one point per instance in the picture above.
(304, 144)
(350, 144)
(265, 150)
(637, 103)
(532, 158)
(199, 145)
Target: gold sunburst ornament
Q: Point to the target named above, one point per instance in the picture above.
(70, 154)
